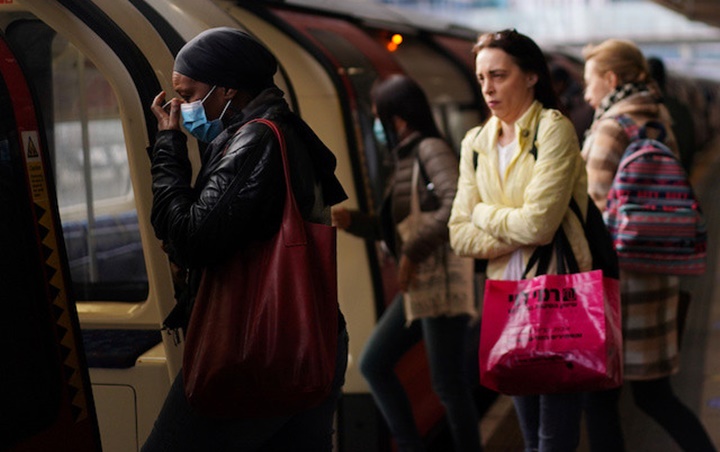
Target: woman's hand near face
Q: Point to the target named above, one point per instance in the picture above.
(167, 114)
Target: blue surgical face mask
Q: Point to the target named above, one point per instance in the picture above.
(379, 132)
(196, 122)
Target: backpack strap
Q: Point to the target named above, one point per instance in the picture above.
(533, 150)
(475, 154)
(631, 129)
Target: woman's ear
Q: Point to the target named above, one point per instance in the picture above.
(229, 93)
(238, 99)
(532, 79)
(611, 78)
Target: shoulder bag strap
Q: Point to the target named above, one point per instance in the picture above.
(292, 224)
(563, 252)
(631, 129)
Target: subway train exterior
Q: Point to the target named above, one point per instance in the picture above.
(87, 282)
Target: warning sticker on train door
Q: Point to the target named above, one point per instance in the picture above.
(59, 414)
(36, 172)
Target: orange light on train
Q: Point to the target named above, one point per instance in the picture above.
(394, 42)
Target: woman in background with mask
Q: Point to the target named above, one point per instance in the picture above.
(425, 168)
(224, 79)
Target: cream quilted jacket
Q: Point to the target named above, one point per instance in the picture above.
(492, 216)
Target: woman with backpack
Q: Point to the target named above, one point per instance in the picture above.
(619, 87)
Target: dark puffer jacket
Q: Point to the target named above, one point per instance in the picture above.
(439, 167)
(239, 192)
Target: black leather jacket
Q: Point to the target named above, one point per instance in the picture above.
(240, 190)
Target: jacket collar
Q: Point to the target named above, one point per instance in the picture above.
(525, 130)
(405, 147)
(271, 99)
(643, 103)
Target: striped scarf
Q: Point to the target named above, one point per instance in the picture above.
(618, 94)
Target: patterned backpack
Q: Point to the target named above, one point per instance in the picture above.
(652, 212)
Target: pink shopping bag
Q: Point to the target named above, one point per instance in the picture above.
(551, 334)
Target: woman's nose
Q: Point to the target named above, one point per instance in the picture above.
(487, 87)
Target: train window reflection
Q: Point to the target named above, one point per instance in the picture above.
(361, 74)
(108, 166)
(80, 121)
(94, 191)
(449, 91)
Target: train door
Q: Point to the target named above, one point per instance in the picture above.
(93, 87)
(45, 396)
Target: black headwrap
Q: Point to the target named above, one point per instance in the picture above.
(227, 57)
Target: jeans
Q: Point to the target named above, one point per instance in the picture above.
(550, 422)
(179, 429)
(445, 341)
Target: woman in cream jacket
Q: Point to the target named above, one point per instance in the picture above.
(510, 201)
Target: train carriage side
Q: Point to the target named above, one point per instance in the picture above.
(92, 86)
(105, 62)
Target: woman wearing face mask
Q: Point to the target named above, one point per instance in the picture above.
(425, 168)
(224, 79)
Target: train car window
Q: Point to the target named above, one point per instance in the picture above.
(359, 62)
(97, 207)
(360, 72)
(450, 92)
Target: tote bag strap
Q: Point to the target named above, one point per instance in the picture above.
(292, 225)
(564, 257)
(414, 197)
(408, 226)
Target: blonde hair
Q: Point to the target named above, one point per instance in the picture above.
(622, 57)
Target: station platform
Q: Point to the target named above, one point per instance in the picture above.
(697, 383)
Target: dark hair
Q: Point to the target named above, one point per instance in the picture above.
(528, 56)
(559, 74)
(399, 95)
(657, 71)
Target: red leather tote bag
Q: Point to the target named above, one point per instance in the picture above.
(262, 337)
